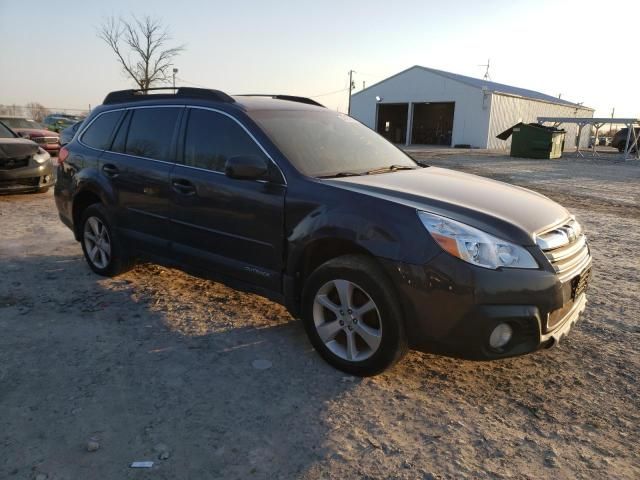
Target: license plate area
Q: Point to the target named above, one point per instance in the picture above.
(579, 283)
(572, 290)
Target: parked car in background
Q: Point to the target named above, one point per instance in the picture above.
(57, 123)
(24, 166)
(68, 133)
(620, 139)
(309, 207)
(28, 128)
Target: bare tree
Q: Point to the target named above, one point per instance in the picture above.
(37, 111)
(141, 48)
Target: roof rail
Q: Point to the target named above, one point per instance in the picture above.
(291, 98)
(121, 96)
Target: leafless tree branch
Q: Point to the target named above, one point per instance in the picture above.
(37, 111)
(140, 46)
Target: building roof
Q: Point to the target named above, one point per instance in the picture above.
(490, 86)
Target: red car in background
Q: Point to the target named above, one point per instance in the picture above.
(27, 128)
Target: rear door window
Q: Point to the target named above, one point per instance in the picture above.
(151, 132)
(212, 138)
(99, 133)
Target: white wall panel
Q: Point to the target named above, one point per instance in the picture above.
(506, 111)
(470, 119)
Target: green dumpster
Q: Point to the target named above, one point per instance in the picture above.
(532, 140)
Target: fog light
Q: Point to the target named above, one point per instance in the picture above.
(500, 335)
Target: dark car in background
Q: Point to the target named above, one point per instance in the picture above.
(310, 208)
(57, 123)
(619, 140)
(24, 166)
(28, 128)
(68, 133)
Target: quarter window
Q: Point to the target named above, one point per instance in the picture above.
(212, 138)
(151, 132)
(99, 133)
(118, 144)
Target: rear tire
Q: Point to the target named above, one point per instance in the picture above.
(101, 245)
(352, 316)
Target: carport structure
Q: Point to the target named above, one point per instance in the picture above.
(632, 124)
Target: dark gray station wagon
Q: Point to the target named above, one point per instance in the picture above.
(280, 196)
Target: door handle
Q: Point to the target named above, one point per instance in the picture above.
(110, 170)
(183, 187)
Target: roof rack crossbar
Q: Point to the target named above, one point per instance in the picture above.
(132, 95)
(291, 98)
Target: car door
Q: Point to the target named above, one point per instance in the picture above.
(137, 166)
(228, 226)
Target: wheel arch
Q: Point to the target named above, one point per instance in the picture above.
(81, 201)
(310, 257)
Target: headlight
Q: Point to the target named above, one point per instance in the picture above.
(41, 155)
(475, 246)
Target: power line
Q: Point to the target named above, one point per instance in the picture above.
(369, 74)
(329, 93)
(191, 83)
(310, 96)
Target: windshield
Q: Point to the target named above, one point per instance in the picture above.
(5, 132)
(20, 123)
(322, 143)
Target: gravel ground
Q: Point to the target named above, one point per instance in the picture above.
(208, 382)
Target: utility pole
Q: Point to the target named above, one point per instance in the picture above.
(613, 111)
(351, 85)
(175, 70)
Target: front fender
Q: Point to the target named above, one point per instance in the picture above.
(379, 227)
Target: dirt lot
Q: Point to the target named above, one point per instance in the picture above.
(157, 365)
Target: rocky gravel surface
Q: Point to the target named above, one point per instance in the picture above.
(206, 382)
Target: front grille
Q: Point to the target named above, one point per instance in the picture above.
(566, 248)
(11, 163)
(21, 182)
(46, 140)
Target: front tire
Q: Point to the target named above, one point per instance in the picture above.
(102, 248)
(352, 316)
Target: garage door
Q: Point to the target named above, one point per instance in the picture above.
(432, 123)
(392, 121)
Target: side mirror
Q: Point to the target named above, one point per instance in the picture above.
(246, 167)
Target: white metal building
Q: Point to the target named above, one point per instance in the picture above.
(425, 106)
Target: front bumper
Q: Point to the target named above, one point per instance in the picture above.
(452, 307)
(24, 179)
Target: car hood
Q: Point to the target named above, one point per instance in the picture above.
(17, 148)
(37, 132)
(510, 212)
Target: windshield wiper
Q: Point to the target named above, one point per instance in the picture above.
(390, 168)
(341, 174)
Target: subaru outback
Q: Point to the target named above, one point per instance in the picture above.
(282, 197)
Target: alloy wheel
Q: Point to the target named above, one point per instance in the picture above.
(97, 242)
(347, 320)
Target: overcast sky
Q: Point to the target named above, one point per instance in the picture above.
(587, 50)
